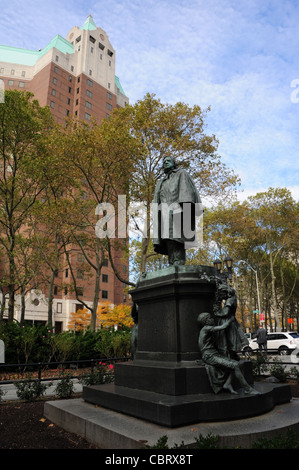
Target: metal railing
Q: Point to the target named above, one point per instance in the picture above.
(24, 369)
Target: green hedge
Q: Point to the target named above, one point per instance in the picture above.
(29, 344)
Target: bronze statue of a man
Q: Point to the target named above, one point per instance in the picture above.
(176, 204)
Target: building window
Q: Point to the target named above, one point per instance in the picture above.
(78, 39)
(68, 101)
(56, 69)
(12, 72)
(110, 53)
(89, 82)
(87, 116)
(59, 307)
(80, 274)
(101, 46)
(109, 106)
(23, 73)
(67, 112)
(22, 84)
(79, 48)
(66, 273)
(70, 89)
(92, 39)
(109, 85)
(101, 56)
(77, 102)
(105, 263)
(53, 92)
(80, 291)
(90, 73)
(109, 96)
(91, 50)
(72, 68)
(104, 277)
(109, 63)
(57, 58)
(65, 291)
(104, 294)
(70, 78)
(89, 93)
(78, 80)
(2, 70)
(52, 104)
(55, 80)
(55, 290)
(88, 104)
(10, 82)
(76, 113)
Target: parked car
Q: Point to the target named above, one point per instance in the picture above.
(281, 342)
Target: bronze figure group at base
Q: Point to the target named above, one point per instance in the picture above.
(220, 338)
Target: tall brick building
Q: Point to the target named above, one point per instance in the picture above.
(74, 76)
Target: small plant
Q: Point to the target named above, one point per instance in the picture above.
(30, 390)
(2, 393)
(162, 443)
(294, 372)
(65, 386)
(260, 364)
(100, 374)
(277, 370)
(207, 442)
(290, 440)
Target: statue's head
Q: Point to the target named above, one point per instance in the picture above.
(169, 163)
(205, 318)
(225, 291)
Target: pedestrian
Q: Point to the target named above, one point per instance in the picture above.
(261, 337)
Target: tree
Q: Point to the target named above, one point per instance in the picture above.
(263, 231)
(24, 125)
(177, 130)
(98, 158)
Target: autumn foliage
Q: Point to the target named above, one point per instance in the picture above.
(108, 316)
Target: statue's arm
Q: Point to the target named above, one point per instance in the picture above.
(224, 325)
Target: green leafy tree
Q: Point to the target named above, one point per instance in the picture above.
(24, 125)
(177, 130)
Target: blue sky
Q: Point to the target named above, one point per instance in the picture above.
(239, 57)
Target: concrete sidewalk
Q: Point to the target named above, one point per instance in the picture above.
(10, 391)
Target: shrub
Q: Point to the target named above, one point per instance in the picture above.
(294, 372)
(277, 369)
(100, 374)
(260, 364)
(2, 393)
(30, 390)
(65, 386)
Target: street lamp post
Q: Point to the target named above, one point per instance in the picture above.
(257, 284)
(219, 267)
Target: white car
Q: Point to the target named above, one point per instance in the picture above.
(282, 342)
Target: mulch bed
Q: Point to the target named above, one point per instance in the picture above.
(23, 426)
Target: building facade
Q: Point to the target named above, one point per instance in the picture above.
(75, 77)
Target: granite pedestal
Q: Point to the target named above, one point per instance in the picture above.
(166, 383)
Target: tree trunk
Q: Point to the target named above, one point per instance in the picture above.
(23, 305)
(274, 302)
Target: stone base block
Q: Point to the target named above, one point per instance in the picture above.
(173, 411)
